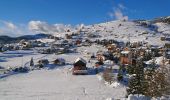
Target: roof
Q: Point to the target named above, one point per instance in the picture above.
(61, 59)
(125, 52)
(80, 59)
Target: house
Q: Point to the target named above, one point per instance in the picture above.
(59, 61)
(100, 57)
(43, 61)
(80, 67)
(111, 48)
(124, 59)
(78, 42)
(98, 64)
(163, 38)
(68, 36)
(4, 48)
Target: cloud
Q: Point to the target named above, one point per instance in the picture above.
(118, 12)
(13, 30)
(121, 6)
(32, 27)
(10, 25)
(43, 27)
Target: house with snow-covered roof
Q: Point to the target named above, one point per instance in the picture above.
(79, 67)
(124, 57)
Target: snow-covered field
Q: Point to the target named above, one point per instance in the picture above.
(57, 84)
(53, 84)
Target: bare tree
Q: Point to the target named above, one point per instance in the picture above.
(108, 75)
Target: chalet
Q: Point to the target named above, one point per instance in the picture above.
(163, 38)
(68, 36)
(59, 61)
(93, 56)
(167, 45)
(98, 64)
(100, 57)
(78, 42)
(60, 44)
(111, 48)
(80, 67)
(124, 59)
(4, 48)
(43, 61)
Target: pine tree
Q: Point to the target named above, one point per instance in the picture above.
(137, 84)
(130, 69)
(31, 62)
(120, 73)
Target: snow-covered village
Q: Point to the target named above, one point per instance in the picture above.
(121, 59)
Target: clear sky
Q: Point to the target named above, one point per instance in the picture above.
(81, 11)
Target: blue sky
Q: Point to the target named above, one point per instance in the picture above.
(80, 11)
(21, 17)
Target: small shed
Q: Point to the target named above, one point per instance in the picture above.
(79, 66)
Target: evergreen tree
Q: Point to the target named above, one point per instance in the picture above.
(137, 84)
(31, 62)
(130, 69)
(120, 73)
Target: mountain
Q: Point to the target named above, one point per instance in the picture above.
(148, 31)
(8, 39)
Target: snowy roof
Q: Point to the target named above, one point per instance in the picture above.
(125, 52)
(61, 59)
(168, 52)
(80, 59)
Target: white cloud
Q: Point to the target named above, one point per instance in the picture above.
(43, 27)
(121, 6)
(11, 29)
(10, 25)
(32, 27)
(118, 14)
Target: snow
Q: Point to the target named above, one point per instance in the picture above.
(46, 40)
(80, 59)
(158, 61)
(57, 83)
(125, 52)
(114, 84)
(163, 27)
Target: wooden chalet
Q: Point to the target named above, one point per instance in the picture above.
(59, 61)
(80, 67)
(124, 58)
